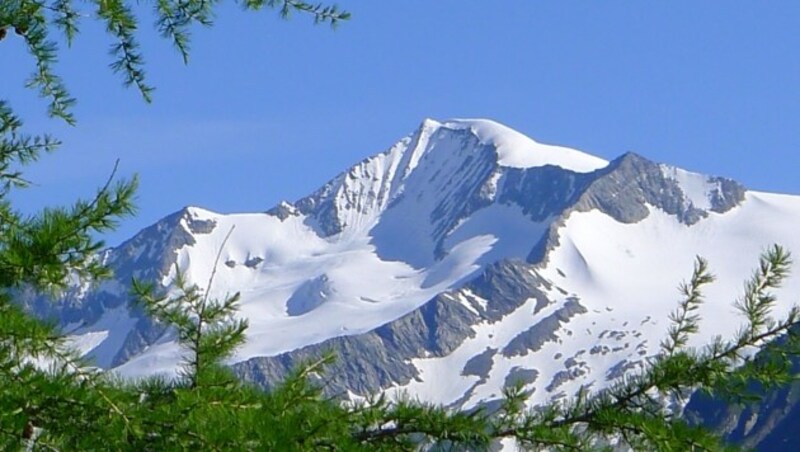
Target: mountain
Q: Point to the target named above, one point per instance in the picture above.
(460, 260)
(765, 424)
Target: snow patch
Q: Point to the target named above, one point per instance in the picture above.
(516, 150)
(697, 188)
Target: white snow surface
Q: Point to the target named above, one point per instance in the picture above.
(519, 151)
(382, 264)
(697, 188)
(410, 230)
(360, 291)
(626, 275)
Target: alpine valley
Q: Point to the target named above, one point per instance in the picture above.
(464, 258)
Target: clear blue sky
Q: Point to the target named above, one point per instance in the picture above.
(269, 109)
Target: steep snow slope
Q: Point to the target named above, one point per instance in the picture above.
(625, 275)
(383, 262)
(463, 258)
(518, 151)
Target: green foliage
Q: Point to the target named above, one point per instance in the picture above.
(685, 320)
(33, 20)
(70, 406)
(51, 399)
(209, 329)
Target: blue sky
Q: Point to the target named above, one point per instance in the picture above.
(270, 110)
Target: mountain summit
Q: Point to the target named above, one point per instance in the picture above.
(462, 259)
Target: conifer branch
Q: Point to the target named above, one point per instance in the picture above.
(330, 14)
(66, 18)
(121, 24)
(29, 21)
(758, 301)
(176, 16)
(685, 320)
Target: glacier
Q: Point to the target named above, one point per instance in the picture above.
(465, 257)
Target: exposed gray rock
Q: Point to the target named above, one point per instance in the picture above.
(372, 361)
(544, 331)
(617, 335)
(521, 375)
(453, 179)
(624, 190)
(631, 183)
(309, 295)
(628, 185)
(572, 362)
(621, 368)
(543, 192)
(283, 211)
(197, 226)
(147, 257)
(152, 253)
(564, 376)
(480, 365)
(145, 333)
(507, 285)
(727, 195)
(322, 207)
(573, 369)
(766, 422)
(375, 360)
(548, 242)
(466, 191)
(321, 210)
(253, 262)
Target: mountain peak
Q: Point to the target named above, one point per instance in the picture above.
(516, 150)
(462, 259)
(442, 165)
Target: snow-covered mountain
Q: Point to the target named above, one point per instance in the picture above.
(464, 258)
